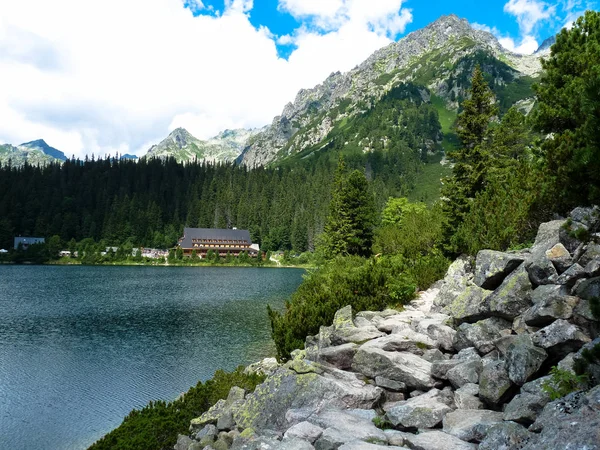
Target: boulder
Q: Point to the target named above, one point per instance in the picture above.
(425, 411)
(357, 335)
(549, 304)
(560, 338)
(407, 368)
(592, 253)
(267, 366)
(466, 397)
(589, 289)
(505, 436)
(304, 430)
(513, 296)
(548, 236)
(523, 359)
(332, 439)
(405, 340)
(469, 306)
(560, 257)
(588, 216)
(492, 267)
(570, 276)
(465, 372)
(207, 434)
(433, 355)
(183, 442)
(571, 422)
(528, 404)
(541, 271)
(592, 269)
(494, 383)
(340, 356)
(481, 335)
(359, 445)
(437, 440)
(470, 425)
(391, 385)
(362, 429)
(455, 282)
(294, 444)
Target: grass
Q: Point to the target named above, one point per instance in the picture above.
(428, 181)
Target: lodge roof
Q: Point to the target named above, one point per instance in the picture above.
(213, 234)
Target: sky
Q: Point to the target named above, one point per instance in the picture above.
(101, 77)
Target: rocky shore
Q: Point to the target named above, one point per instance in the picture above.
(462, 367)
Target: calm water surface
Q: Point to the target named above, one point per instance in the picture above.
(81, 346)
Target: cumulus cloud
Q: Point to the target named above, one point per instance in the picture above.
(101, 77)
(527, 45)
(529, 13)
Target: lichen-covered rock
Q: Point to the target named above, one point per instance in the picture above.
(570, 276)
(304, 430)
(466, 397)
(589, 289)
(494, 383)
(469, 306)
(407, 368)
(592, 269)
(587, 216)
(560, 338)
(523, 359)
(470, 425)
(440, 368)
(183, 442)
(541, 271)
(455, 282)
(425, 411)
(571, 422)
(527, 405)
(592, 253)
(492, 267)
(560, 257)
(513, 296)
(465, 372)
(505, 436)
(340, 356)
(481, 335)
(361, 429)
(437, 440)
(550, 303)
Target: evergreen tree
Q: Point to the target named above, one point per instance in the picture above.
(471, 159)
(569, 111)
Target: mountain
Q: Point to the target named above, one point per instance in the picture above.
(34, 153)
(544, 49)
(180, 144)
(438, 58)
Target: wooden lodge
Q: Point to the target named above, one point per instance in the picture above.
(223, 242)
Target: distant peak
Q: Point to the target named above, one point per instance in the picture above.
(36, 143)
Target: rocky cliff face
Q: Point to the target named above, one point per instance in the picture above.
(435, 57)
(463, 367)
(180, 144)
(34, 153)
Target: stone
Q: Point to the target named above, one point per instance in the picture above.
(588, 216)
(480, 335)
(541, 271)
(209, 417)
(433, 355)
(343, 318)
(405, 340)
(183, 442)
(560, 338)
(358, 427)
(399, 366)
(267, 366)
(469, 306)
(465, 372)
(295, 444)
(466, 397)
(355, 335)
(437, 440)
(513, 296)
(454, 283)
(560, 257)
(570, 276)
(207, 434)
(549, 304)
(505, 436)
(548, 236)
(571, 422)
(592, 269)
(592, 253)
(425, 411)
(492, 267)
(494, 383)
(340, 356)
(332, 439)
(520, 327)
(528, 404)
(225, 421)
(235, 394)
(471, 425)
(304, 430)
(396, 437)
(392, 385)
(365, 414)
(358, 445)
(524, 359)
(589, 288)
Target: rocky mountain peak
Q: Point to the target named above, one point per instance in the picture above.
(42, 146)
(181, 137)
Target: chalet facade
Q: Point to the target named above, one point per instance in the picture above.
(223, 242)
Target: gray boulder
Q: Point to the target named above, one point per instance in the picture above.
(362, 429)
(437, 440)
(592, 269)
(560, 257)
(183, 442)
(391, 385)
(574, 273)
(571, 422)
(541, 271)
(466, 397)
(470, 425)
(592, 253)
(492, 267)
(494, 383)
(481, 335)
(207, 434)
(407, 368)
(513, 296)
(440, 368)
(359, 445)
(304, 430)
(505, 436)
(464, 373)
(455, 282)
(340, 356)
(523, 359)
(332, 439)
(548, 236)
(588, 216)
(528, 404)
(406, 340)
(588, 289)
(549, 304)
(295, 444)
(425, 411)
(560, 338)
(469, 306)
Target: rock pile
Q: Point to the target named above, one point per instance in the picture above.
(462, 367)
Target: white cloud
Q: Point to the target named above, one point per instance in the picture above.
(526, 46)
(529, 13)
(115, 76)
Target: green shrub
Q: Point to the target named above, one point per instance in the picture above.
(157, 425)
(563, 382)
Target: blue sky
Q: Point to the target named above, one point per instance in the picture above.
(106, 76)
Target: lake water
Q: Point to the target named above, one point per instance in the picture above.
(82, 346)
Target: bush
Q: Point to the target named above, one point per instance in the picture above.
(563, 382)
(157, 425)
